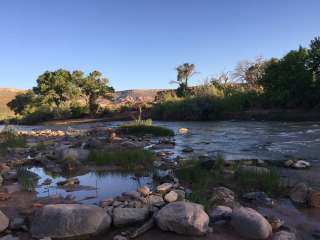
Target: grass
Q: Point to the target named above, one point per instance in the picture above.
(201, 178)
(9, 138)
(127, 159)
(143, 127)
(250, 181)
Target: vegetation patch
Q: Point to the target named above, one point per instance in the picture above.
(9, 138)
(127, 159)
(143, 127)
(201, 176)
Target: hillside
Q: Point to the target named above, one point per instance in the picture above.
(6, 95)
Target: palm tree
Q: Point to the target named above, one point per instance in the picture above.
(184, 72)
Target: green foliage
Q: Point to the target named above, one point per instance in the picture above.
(184, 72)
(9, 138)
(129, 159)
(22, 102)
(251, 181)
(27, 179)
(314, 59)
(140, 129)
(288, 82)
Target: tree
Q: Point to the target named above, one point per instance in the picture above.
(184, 72)
(22, 101)
(56, 87)
(288, 82)
(93, 86)
(250, 72)
(314, 58)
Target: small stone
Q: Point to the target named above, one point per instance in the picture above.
(222, 196)
(187, 150)
(314, 198)
(299, 193)
(183, 130)
(155, 200)
(120, 237)
(106, 202)
(275, 222)
(301, 164)
(181, 194)
(145, 191)
(69, 182)
(288, 163)
(165, 187)
(284, 235)
(116, 203)
(172, 196)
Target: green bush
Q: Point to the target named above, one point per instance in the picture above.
(9, 138)
(143, 127)
(125, 158)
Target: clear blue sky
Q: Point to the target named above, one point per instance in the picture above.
(138, 43)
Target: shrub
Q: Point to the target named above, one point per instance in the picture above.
(125, 158)
(9, 138)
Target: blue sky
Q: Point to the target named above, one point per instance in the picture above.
(138, 43)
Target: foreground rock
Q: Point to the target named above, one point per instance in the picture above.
(183, 218)
(4, 222)
(250, 224)
(69, 220)
(283, 235)
(299, 194)
(222, 196)
(127, 216)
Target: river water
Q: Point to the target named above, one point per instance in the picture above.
(235, 140)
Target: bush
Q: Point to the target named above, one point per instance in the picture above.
(141, 129)
(125, 158)
(9, 138)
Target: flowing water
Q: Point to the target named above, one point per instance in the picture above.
(235, 140)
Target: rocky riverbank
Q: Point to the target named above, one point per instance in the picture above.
(164, 209)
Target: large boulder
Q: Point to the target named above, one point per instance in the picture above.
(69, 220)
(4, 222)
(314, 198)
(250, 224)
(183, 218)
(127, 216)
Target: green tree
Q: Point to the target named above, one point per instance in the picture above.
(288, 82)
(314, 58)
(93, 86)
(56, 87)
(184, 72)
(22, 102)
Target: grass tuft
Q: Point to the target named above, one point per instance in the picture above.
(139, 129)
(128, 159)
(9, 138)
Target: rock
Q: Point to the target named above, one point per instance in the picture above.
(131, 195)
(316, 234)
(183, 218)
(127, 216)
(299, 193)
(284, 235)
(69, 220)
(10, 175)
(17, 223)
(172, 196)
(120, 237)
(275, 222)
(72, 154)
(183, 130)
(259, 197)
(69, 182)
(250, 224)
(4, 168)
(222, 196)
(106, 202)
(220, 213)
(4, 222)
(1, 180)
(9, 237)
(314, 198)
(187, 150)
(165, 187)
(145, 191)
(155, 200)
(288, 163)
(300, 164)
(181, 194)
(144, 228)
